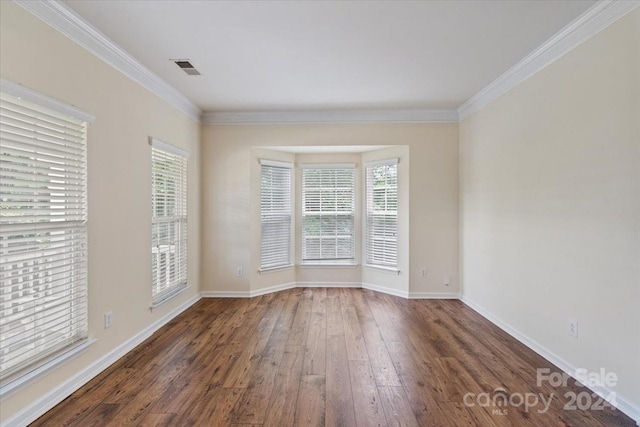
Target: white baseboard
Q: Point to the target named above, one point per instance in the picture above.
(363, 285)
(622, 403)
(247, 294)
(385, 290)
(272, 289)
(225, 294)
(328, 284)
(372, 287)
(434, 295)
(57, 395)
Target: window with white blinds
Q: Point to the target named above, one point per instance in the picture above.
(328, 203)
(275, 214)
(43, 232)
(382, 213)
(169, 220)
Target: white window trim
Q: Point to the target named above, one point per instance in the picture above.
(165, 146)
(390, 270)
(332, 264)
(15, 385)
(274, 269)
(382, 268)
(327, 166)
(19, 91)
(168, 296)
(275, 163)
(292, 232)
(385, 162)
(40, 368)
(348, 262)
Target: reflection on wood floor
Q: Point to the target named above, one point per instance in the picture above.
(323, 357)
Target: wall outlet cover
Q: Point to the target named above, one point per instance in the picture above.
(573, 328)
(108, 319)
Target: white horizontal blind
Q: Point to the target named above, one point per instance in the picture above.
(169, 222)
(275, 215)
(382, 214)
(328, 201)
(43, 233)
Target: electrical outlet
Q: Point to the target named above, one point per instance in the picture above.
(447, 280)
(423, 272)
(108, 319)
(240, 272)
(573, 328)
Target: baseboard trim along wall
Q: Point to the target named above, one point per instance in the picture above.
(434, 295)
(385, 290)
(622, 403)
(51, 399)
(64, 390)
(247, 294)
(363, 285)
(328, 285)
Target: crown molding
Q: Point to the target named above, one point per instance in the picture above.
(329, 117)
(591, 22)
(66, 21)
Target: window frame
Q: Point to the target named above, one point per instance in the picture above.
(322, 261)
(44, 109)
(179, 168)
(368, 260)
(286, 168)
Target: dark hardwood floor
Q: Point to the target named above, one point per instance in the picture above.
(333, 357)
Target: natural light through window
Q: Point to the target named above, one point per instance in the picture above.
(382, 213)
(43, 233)
(169, 220)
(275, 215)
(328, 203)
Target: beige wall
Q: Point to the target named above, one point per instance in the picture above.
(230, 236)
(550, 189)
(119, 181)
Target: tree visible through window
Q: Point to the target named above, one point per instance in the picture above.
(382, 213)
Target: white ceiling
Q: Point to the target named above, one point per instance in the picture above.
(330, 55)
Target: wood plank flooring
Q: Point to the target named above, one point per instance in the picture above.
(323, 357)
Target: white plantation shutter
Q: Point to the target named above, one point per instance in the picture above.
(43, 232)
(382, 213)
(328, 201)
(275, 214)
(169, 220)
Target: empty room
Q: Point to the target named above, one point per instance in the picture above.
(319, 213)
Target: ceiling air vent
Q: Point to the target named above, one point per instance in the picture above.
(187, 67)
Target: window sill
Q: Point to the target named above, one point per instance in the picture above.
(168, 296)
(390, 270)
(274, 269)
(328, 265)
(17, 384)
